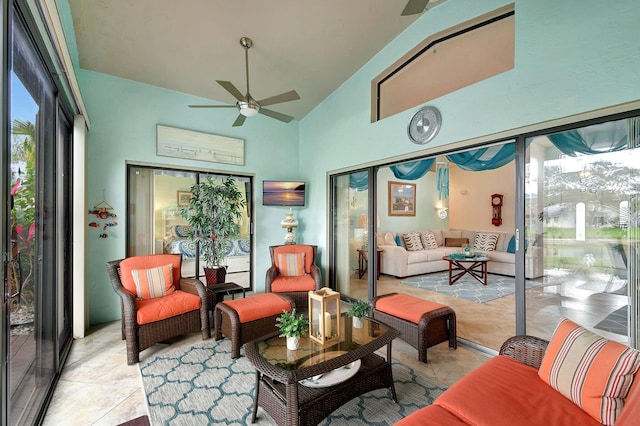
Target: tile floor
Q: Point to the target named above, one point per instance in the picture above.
(97, 387)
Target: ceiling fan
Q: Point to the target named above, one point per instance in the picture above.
(415, 7)
(248, 106)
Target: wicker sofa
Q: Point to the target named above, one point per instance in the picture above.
(507, 390)
(397, 260)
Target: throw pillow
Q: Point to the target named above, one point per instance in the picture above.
(486, 242)
(511, 248)
(153, 282)
(428, 240)
(291, 264)
(593, 372)
(412, 241)
(455, 242)
(399, 241)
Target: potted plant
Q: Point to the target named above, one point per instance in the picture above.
(213, 213)
(358, 310)
(292, 327)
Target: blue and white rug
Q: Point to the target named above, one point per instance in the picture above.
(199, 383)
(468, 287)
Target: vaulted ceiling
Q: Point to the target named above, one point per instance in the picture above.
(311, 47)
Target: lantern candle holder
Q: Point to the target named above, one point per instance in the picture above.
(324, 316)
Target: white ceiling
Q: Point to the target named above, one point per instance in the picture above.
(308, 46)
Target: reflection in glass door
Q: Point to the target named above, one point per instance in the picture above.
(350, 232)
(582, 227)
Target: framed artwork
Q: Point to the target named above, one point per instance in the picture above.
(402, 199)
(191, 145)
(183, 198)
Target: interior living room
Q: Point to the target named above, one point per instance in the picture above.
(505, 130)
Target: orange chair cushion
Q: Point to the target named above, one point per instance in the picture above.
(593, 372)
(505, 392)
(291, 264)
(631, 412)
(282, 284)
(146, 262)
(407, 307)
(295, 248)
(258, 306)
(160, 308)
(153, 282)
(431, 415)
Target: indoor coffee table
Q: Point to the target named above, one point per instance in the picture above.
(476, 266)
(304, 386)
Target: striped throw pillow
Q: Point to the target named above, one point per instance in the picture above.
(428, 240)
(484, 241)
(153, 282)
(593, 372)
(412, 241)
(291, 264)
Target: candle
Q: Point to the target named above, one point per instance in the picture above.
(327, 323)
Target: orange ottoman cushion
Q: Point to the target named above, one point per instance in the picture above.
(407, 307)
(258, 306)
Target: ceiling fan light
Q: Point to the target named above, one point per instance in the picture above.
(248, 109)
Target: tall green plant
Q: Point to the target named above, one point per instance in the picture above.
(214, 213)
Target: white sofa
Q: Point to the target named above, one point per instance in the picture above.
(399, 262)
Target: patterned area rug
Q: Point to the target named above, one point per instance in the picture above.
(200, 384)
(468, 288)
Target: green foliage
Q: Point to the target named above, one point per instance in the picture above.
(214, 213)
(360, 308)
(290, 325)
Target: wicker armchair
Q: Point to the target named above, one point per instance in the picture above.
(146, 322)
(295, 286)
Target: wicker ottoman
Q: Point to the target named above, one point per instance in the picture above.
(421, 323)
(243, 320)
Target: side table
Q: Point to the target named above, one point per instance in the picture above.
(363, 262)
(218, 291)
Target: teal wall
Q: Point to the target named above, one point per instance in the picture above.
(572, 56)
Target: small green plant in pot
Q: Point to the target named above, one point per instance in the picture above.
(358, 310)
(292, 327)
(214, 213)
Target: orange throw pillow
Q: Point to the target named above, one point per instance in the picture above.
(593, 372)
(291, 264)
(153, 282)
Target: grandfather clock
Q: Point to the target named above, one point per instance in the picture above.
(496, 204)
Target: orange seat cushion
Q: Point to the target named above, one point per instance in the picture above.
(407, 307)
(431, 415)
(146, 262)
(258, 306)
(288, 284)
(593, 372)
(160, 308)
(505, 392)
(292, 249)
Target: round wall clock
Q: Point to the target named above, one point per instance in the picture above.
(424, 125)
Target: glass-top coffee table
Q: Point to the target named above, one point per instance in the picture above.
(304, 386)
(476, 266)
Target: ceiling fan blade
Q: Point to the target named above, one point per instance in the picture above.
(213, 106)
(283, 97)
(229, 87)
(276, 115)
(414, 7)
(239, 121)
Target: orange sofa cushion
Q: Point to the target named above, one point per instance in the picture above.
(505, 392)
(288, 284)
(295, 248)
(153, 282)
(593, 372)
(258, 306)
(145, 262)
(159, 308)
(407, 307)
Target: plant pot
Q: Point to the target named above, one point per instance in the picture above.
(357, 322)
(293, 343)
(215, 275)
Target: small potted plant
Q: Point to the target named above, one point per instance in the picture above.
(214, 213)
(358, 310)
(292, 327)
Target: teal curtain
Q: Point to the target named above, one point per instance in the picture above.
(488, 158)
(412, 170)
